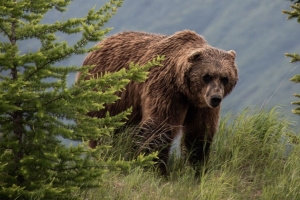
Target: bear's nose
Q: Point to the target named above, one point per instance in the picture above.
(215, 101)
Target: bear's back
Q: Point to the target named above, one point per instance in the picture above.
(118, 51)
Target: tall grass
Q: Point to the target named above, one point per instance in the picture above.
(249, 159)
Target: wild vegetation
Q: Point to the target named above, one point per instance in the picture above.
(255, 154)
(294, 13)
(37, 107)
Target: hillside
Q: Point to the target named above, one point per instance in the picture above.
(256, 30)
(247, 161)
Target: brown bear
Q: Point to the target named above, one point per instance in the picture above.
(179, 100)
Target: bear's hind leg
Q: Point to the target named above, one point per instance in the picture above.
(154, 136)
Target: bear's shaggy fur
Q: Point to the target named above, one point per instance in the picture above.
(181, 98)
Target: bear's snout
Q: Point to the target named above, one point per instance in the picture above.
(215, 101)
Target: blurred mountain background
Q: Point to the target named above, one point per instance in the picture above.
(256, 30)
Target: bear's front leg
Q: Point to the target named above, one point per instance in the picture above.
(198, 147)
(200, 128)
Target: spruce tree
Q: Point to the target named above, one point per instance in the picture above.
(37, 107)
(294, 13)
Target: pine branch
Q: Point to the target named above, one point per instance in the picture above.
(296, 78)
(295, 57)
(294, 12)
(4, 31)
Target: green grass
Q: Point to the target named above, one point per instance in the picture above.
(255, 155)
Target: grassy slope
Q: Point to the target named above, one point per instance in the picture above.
(248, 161)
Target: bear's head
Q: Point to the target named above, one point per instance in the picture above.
(202, 73)
(209, 76)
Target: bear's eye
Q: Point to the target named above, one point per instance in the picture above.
(224, 81)
(206, 78)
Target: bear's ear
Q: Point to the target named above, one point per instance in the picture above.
(195, 56)
(231, 52)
